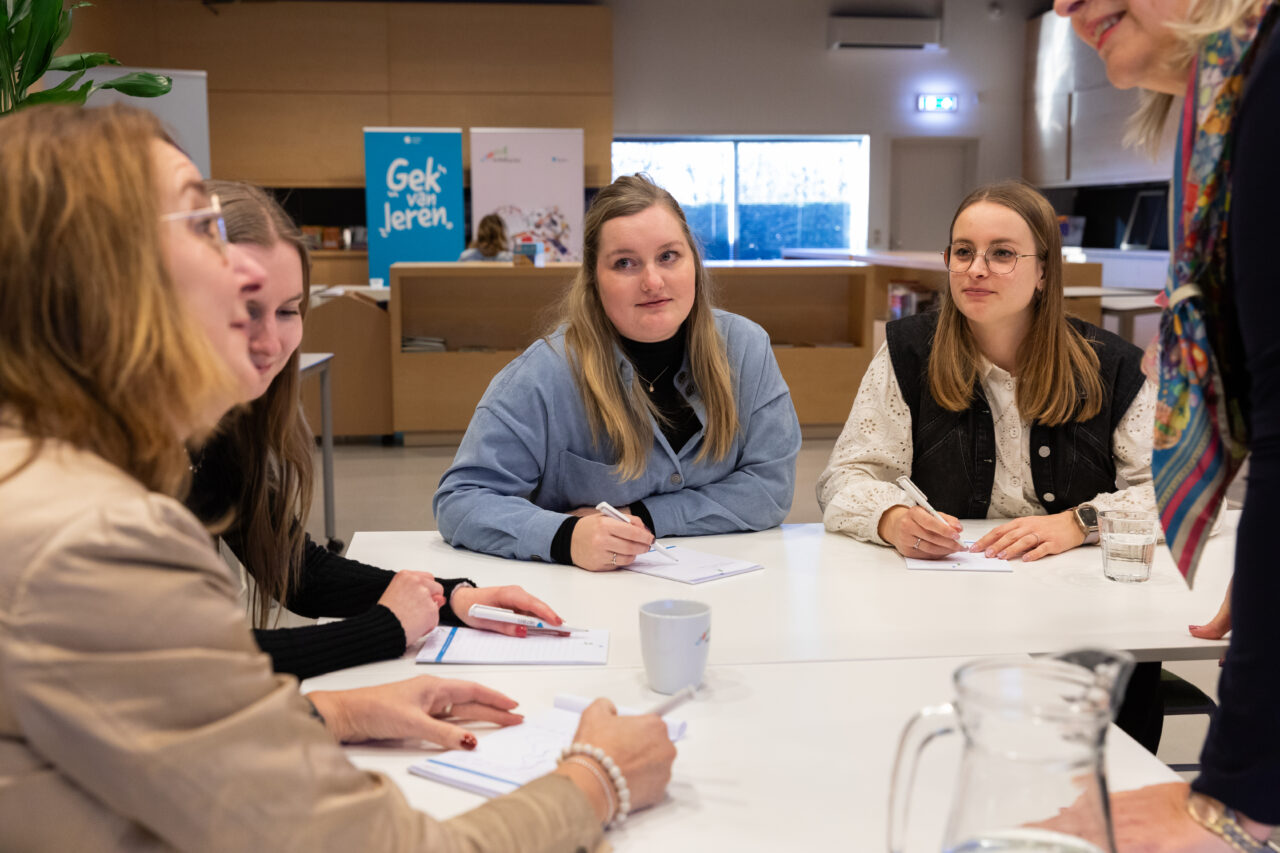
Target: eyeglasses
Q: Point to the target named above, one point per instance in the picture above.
(207, 222)
(1001, 260)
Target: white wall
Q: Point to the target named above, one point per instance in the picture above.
(762, 66)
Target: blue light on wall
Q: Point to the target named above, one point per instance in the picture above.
(937, 103)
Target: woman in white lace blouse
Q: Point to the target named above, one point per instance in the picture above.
(997, 405)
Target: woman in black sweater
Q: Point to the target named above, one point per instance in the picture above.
(251, 485)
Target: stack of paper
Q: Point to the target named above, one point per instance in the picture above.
(469, 645)
(693, 566)
(961, 561)
(511, 757)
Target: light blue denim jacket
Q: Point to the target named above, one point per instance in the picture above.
(528, 456)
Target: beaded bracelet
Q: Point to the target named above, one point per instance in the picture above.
(615, 776)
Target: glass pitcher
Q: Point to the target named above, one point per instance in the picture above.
(1031, 773)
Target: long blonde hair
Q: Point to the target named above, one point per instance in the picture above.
(1057, 368)
(491, 236)
(270, 437)
(622, 415)
(96, 348)
(1146, 126)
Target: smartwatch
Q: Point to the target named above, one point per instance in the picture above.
(1086, 516)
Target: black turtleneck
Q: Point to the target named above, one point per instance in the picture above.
(657, 364)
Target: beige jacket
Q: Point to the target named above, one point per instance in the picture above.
(136, 712)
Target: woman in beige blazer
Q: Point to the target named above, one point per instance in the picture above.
(136, 712)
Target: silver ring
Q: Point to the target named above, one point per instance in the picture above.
(448, 710)
(613, 558)
(916, 547)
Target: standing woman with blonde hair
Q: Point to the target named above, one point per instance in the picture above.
(490, 242)
(1219, 377)
(644, 396)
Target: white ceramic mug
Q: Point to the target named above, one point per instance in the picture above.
(674, 639)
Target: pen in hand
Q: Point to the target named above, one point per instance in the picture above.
(604, 508)
(913, 492)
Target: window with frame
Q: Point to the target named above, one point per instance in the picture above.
(750, 198)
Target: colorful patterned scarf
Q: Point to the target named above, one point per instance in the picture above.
(1201, 433)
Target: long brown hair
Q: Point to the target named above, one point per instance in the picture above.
(1057, 368)
(96, 348)
(491, 236)
(622, 414)
(270, 437)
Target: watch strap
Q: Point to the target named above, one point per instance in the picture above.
(1226, 826)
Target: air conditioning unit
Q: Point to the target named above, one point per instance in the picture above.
(846, 32)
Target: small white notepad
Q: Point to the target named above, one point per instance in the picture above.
(961, 561)
(469, 645)
(511, 757)
(694, 566)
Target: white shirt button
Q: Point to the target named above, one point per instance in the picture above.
(1044, 451)
(1048, 497)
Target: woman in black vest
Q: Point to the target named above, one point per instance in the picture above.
(997, 405)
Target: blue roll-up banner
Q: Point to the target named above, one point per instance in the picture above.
(413, 196)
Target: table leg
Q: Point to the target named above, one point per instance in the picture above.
(326, 453)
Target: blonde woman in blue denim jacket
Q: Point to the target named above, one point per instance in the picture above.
(644, 396)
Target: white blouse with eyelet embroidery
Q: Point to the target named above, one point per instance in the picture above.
(874, 449)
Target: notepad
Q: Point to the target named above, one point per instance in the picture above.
(469, 645)
(961, 561)
(694, 566)
(514, 756)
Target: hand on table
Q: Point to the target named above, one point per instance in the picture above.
(413, 709)
(915, 533)
(639, 745)
(511, 597)
(1032, 537)
(601, 544)
(415, 598)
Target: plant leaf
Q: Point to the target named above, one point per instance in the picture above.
(51, 96)
(80, 61)
(66, 84)
(64, 24)
(45, 18)
(140, 84)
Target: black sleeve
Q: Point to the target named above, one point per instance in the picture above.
(316, 649)
(1240, 764)
(561, 544)
(641, 511)
(330, 585)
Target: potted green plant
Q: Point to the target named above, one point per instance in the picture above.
(30, 32)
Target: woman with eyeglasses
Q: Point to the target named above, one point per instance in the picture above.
(136, 711)
(998, 405)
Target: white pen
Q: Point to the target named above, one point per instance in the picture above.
(677, 699)
(608, 510)
(501, 614)
(913, 492)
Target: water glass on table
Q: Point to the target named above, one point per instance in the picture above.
(1128, 544)
(675, 636)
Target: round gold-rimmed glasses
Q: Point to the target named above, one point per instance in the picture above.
(1000, 260)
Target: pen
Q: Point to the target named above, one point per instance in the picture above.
(605, 508)
(913, 492)
(501, 614)
(668, 705)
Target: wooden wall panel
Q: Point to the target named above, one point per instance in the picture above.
(278, 47)
(292, 84)
(126, 29)
(592, 113)
(292, 139)
(507, 47)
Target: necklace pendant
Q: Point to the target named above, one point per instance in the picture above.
(650, 387)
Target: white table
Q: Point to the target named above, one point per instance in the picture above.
(319, 363)
(824, 597)
(778, 758)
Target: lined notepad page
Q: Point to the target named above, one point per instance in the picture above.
(511, 757)
(469, 645)
(694, 566)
